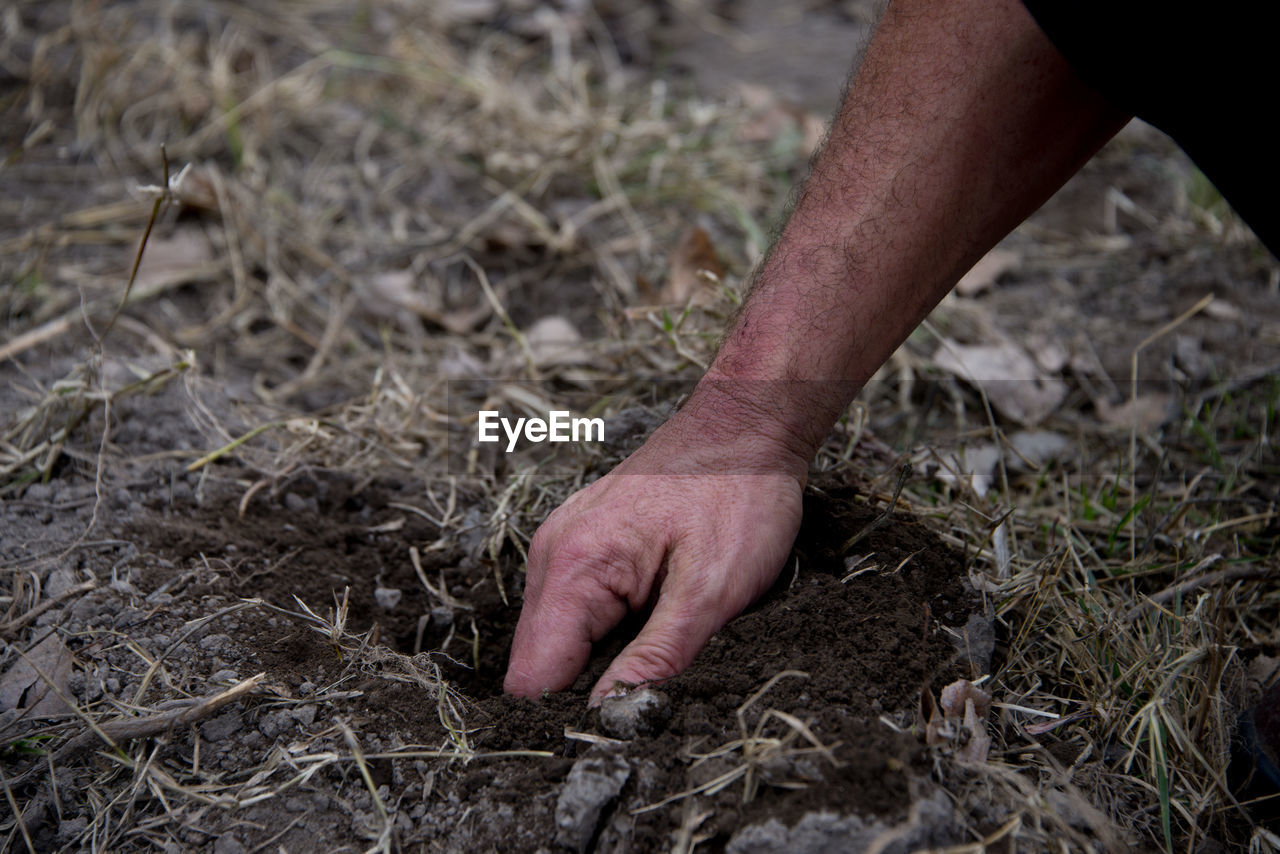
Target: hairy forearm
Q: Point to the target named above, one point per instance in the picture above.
(961, 121)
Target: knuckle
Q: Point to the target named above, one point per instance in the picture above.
(541, 545)
(656, 659)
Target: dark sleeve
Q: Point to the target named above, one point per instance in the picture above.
(1205, 74)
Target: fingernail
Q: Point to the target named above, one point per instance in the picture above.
(619, 689)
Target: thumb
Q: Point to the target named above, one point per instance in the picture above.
(676, 631)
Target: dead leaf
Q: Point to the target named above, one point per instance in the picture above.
(459, 364)
(1189, 357)
(928, 708)
(978, 745)
(965, 707)
(184, 257)
(974, 466)
(984, 274)
(391, 292)
(691, 257)
(1012, 380)
(197, 190)
(1220, 309)
(1051, 356)
(954, 696)
(22, 687)
(771, 116)
(1032, 449)
(1145, 413)
(553, 340)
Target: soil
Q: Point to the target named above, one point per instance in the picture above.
(865, 649)
(202, 579)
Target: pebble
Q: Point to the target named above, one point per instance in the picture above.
(227, 844)
(213, 643)
(295, 503)
(60, 581)
(225, 724)
(285, 720)
(441, 617)
(387, 597)
(640, 712)
(38, 492)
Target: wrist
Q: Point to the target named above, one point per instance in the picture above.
(759, 426)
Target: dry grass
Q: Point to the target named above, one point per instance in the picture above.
(381, 199)
(1132, 618)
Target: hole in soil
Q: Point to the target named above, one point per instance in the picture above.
(862, 644)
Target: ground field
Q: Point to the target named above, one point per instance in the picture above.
(257, 593)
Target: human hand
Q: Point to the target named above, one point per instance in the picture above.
(695, 528)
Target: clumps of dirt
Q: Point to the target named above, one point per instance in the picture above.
(841, 661)
(315, 537)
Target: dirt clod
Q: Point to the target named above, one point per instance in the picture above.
(593, 782)
(639, 712)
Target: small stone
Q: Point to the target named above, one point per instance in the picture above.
(387, 597)
(276, 723)
(86, 608)
(38, 492)
(294, 503)
(213, 643)
(227, 844)
(441, 617)
(594, 781)
(60, 581)
(640, 712)
(129, 617)
(225, 724)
